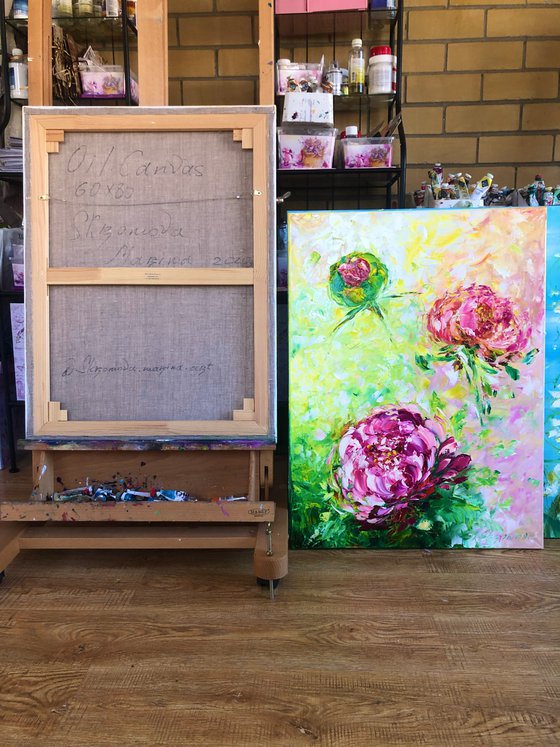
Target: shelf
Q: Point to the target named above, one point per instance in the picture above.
(86, 30)
(353, 102)
(321, 178)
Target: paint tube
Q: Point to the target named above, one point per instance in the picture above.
(540, 188)
(73, 494)
(174, 495)
(463, 188)
(556, 195)
(134, 495)
(438, 170)
(482, 187)
(232, 498)
(435, 177)
(532, 200)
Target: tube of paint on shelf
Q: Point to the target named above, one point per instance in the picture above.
(532, 200)
(463, 188)
(540, 187)
(482, 187)
(556, 195)
(548, 198)
(174, 495)
(438, 171)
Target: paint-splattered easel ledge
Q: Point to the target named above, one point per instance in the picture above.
(162, 444)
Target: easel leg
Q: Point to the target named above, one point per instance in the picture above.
(9, 542)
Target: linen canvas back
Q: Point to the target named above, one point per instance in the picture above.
(417, 378)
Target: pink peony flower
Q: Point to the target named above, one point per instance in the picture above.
(476, 316)
(354, 271)
(392, 459)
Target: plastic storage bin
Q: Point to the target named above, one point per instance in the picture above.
(309, 150)
(308, 108)
(298, 76)
(106, 84)
(367, 152)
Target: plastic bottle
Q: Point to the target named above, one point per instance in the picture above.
(83, 7)
(350, 131)
(19, 9)
(18, 75)
(111, 8)
(380, 70)
(62, 9)
(356, 68)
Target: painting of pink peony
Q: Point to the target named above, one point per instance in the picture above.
(417, 378)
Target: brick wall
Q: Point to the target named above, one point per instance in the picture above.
(213, 53)
(480, 88)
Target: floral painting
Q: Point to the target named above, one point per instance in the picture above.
(552, 378)
(417, 378)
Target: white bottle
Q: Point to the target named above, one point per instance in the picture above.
(111, 8)
(18, 75)
(380, 70)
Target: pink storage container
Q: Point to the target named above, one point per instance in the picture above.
(314, 6)
(311, 150)
(106, 84)
(291, 6)
(367, 152)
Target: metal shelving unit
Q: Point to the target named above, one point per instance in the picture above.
(308, 31)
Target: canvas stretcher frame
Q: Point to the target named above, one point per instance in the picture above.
(252, 127)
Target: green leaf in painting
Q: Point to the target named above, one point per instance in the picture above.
(512, 372)
(529, 357)
(436, 403)
(423, 361)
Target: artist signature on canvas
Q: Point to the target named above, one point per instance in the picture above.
(90, 367)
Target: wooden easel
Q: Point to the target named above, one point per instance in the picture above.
(258, 524)
(208, 469)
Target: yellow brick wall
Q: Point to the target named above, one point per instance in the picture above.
(480, 85)
(213, 52)
(493, 86)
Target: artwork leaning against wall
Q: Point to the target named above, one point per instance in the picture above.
(417, 378)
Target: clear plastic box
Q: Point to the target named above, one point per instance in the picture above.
(106, 84)
(313, 149)
(298, 76)
(367, 152)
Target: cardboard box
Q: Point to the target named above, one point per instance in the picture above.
(290, 6)
(315, 6)
(309, 108)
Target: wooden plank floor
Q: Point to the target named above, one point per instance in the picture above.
(360, 648)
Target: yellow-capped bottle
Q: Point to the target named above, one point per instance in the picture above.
(356, 68)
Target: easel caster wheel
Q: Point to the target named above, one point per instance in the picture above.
(2, 576)
(266, 582)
